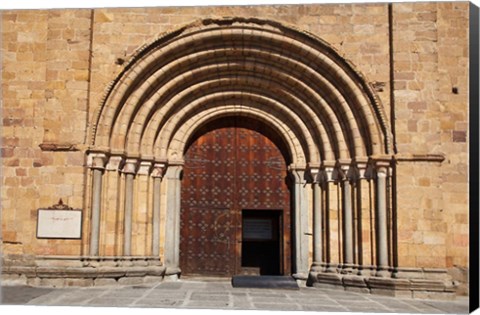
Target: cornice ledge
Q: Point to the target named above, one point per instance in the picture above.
(430, 158)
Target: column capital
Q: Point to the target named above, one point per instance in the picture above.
(96, 160)
(326, 170)
(361, 165)
(144, 167)
(130, 166)
(173, 171)
(159, 170)
(115, 163)
(382, 166)
(381, 161)
(298, 174)
(342, 171)
(314, 170)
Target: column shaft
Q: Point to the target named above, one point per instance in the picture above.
(381, 216)
(301, 225)
(317, 223)
(127, 243)
(347, 223)
(96, 200)
(172, 231)
(157, 181)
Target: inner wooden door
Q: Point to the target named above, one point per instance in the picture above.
(231, 165)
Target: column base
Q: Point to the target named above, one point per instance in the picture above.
(318, 266)
(348, 269)
(383, 272)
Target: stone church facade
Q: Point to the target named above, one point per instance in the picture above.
(333, 135)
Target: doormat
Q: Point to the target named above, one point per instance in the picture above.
(268, 282)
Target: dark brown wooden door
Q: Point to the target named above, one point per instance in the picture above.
(230, 166)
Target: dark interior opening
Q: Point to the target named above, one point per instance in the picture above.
(261, 241)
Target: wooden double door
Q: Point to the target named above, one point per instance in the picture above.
(235, 202)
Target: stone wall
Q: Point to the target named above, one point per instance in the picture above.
(431, 101)
(41, 101)
(57, 65)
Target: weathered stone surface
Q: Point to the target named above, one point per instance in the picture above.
(130, 280)
(433, 295)
(388, 283)
(152, 279)
(156, 271)
(427, 285)
(111, 272)
(75, 282)
(354, 281)
(105, 282)
(329, 278)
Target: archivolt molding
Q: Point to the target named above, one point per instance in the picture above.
(235, 66)
(241, 102)
(184, 133)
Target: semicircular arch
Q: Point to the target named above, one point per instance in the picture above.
(340, 114)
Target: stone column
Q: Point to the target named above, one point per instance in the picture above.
(157, 175)
(317, 219)
(300, 224)
(98, 166)
(381, 218)
(327, 177)
(347, 222)
(361, 164)
(172, 232)
(129, 170)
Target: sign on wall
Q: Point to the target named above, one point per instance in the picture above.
(59, 221)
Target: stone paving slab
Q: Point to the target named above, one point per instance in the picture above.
(190, 294)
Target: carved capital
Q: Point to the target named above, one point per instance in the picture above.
(382, 166)
(314, 171)
(130, 166)
(327, 171)
(298, 174)
(340, 170)
(115, 163)
(159, 170)
(361, 165)
(144, 168)
(96, 161)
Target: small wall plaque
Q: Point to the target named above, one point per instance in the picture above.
(59, 222)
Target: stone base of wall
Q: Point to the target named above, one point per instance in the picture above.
(64, 271)
(421, 283)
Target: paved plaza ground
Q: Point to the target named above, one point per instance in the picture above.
(219, 294)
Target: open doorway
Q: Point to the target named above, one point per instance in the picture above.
(261, 242)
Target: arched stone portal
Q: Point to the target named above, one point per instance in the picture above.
(324, 111)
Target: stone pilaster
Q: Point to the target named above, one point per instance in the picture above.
(300, 224)
(347, 213)
(327, 177)
(98, 166)
(157, 174)
(360, 177)
(172, 232)
(381, 167)
(317, 218)
(129, 170)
